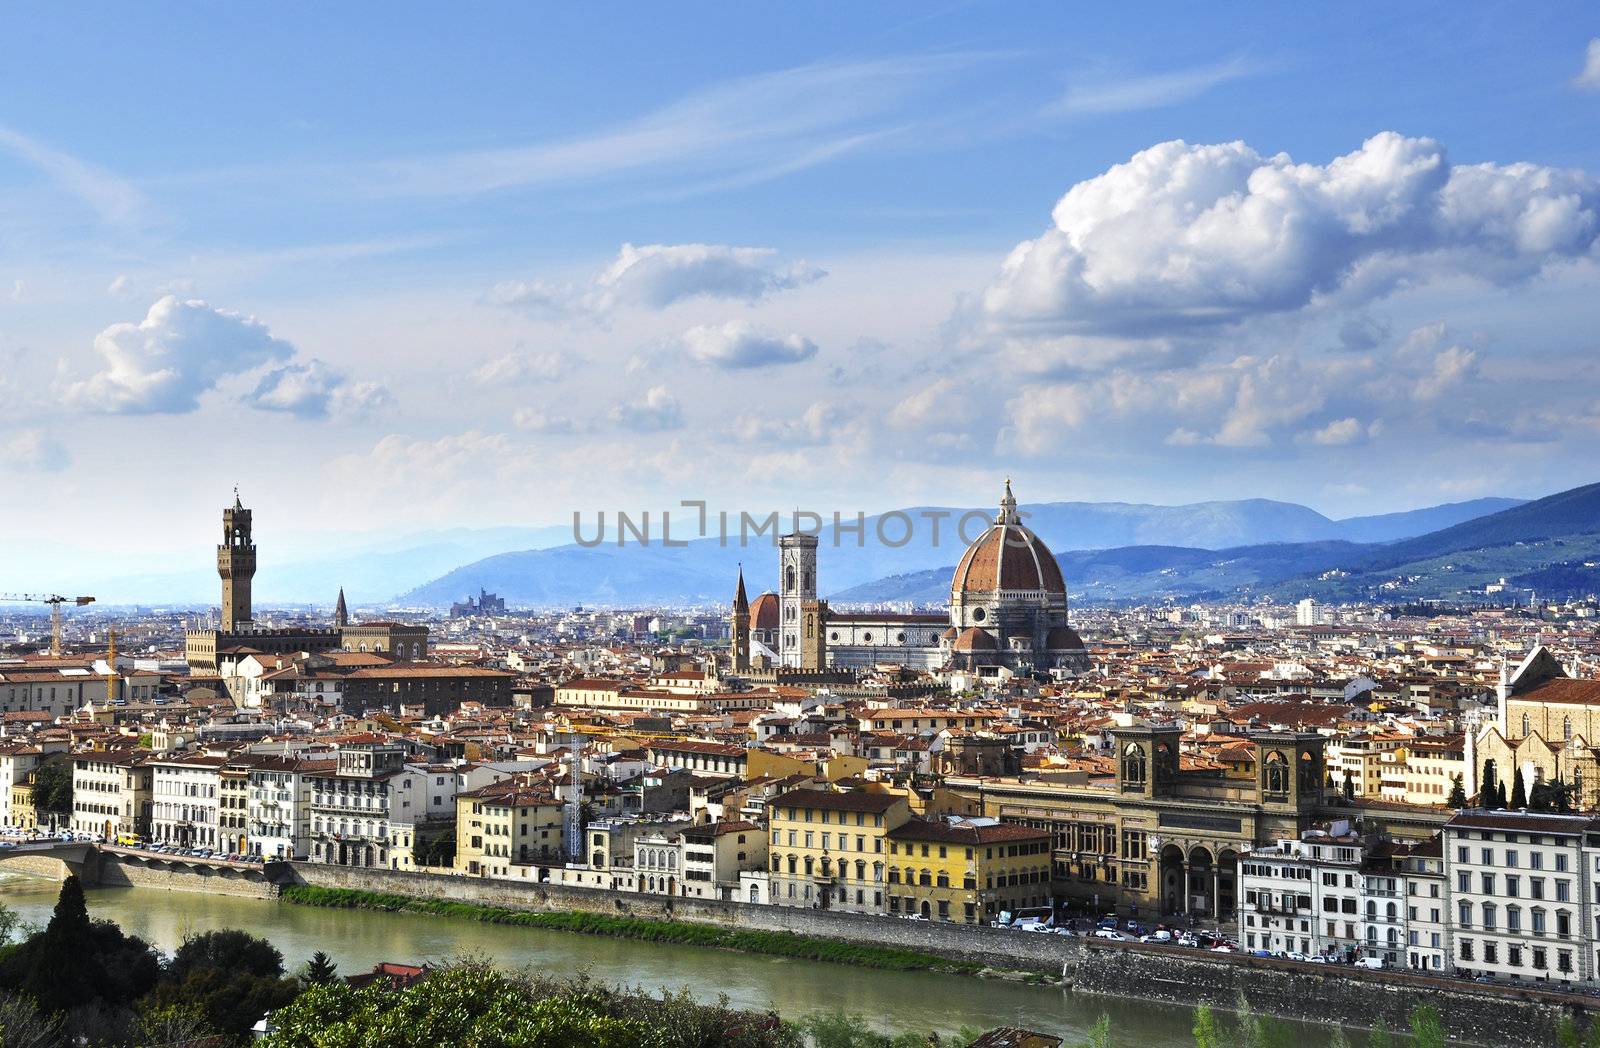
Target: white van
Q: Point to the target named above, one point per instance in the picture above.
(1370, 962)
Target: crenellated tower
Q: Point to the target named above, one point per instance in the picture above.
(236, 563)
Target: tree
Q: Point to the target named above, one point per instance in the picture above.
(1349, 786)
(1427, 1029)
(52, 787)
(1458, 792)
(1486, 789)
(229, 950)
(1206, 1034)
(320, 970)
(1519, 792)
(1500, 796)
(75, 963)
(23, 1025)
(229, 1002)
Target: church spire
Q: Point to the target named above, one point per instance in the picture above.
(341, 613)
(1008, 507)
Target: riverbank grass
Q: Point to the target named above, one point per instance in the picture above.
(648, 929)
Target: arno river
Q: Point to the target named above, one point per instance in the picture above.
(359, 939)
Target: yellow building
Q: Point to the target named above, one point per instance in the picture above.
(965, 871)
(829, 849)
(24, 816)
(506, 824)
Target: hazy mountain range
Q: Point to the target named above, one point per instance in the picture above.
(703, 571)
(1549, 546)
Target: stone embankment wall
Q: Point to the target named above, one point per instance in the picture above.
(1356, 998)
(116, 873)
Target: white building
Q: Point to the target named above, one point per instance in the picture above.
(279, 805)
(185, 805)
(1306, 613)
(1304, 896)
(111, 794)
(357, 808)
(1427, 906)
(1520, 894)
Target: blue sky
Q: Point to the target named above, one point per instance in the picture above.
(373, 262)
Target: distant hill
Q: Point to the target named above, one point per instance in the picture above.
(1549, 545)
(701, 572)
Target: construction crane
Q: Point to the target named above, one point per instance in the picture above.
(55, 603)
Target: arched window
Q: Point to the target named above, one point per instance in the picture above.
(755, 893)
(1527, 726)
(1566, 728)
(1134, 769)
(788, 579)
(1275, 774)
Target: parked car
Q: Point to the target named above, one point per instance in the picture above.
(1374, 963)
(1112, 934)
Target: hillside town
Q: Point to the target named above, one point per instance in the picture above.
(1407, 788)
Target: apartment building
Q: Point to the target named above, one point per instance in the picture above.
(716, 854)
(1520, 894)
(112, 794)
(17, 760)
(1427, 905)
(505, 824)
(356, 808)
(818, 837)
(967, 871)
(1304, 896)
(185, 800)
(278, 804)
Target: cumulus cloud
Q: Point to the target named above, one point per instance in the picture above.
(654, 276)
(822, 422)
(315, 390)
(180, 350)
(657, 411)
(1588, 77)
(33, 451)
(537, 421)
(1451, 368)
(1340, 432)
(1190, 237)
(519, 368)
(738, 344)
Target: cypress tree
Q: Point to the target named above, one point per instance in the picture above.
(1500, 796)
(1519, 792)
(1458, 793)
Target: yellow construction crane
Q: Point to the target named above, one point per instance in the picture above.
(55, 603)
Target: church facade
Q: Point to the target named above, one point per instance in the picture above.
(1008, 607)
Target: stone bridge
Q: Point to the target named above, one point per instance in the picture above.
(115, 866)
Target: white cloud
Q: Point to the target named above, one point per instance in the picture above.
(941, 405)
(654, 276)
(536, 421)
(120, 285)
(1129, 93)
(822, 422)
(1588, 77)
(180, 350)
(736, 132)
(1337, 433)
(33, 451)
(658, 411)
(518, 368)
(738, 344)
(315, 390)
(116, 201)
(1188, 237)
(1452, 367)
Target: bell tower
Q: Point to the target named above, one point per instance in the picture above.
(236, 563)
(739, 634)
(797, 577)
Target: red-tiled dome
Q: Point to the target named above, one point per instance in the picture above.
(1008, 557)
(950, 634)
(1063, 638)
(764, 612)
(974, 639)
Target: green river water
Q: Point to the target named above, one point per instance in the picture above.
(358, 939)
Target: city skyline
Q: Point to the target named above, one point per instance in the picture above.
(535, 265)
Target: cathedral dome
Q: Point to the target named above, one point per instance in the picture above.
(974, 639)
(1008, 558)
(764, 612)
(1063, 638)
